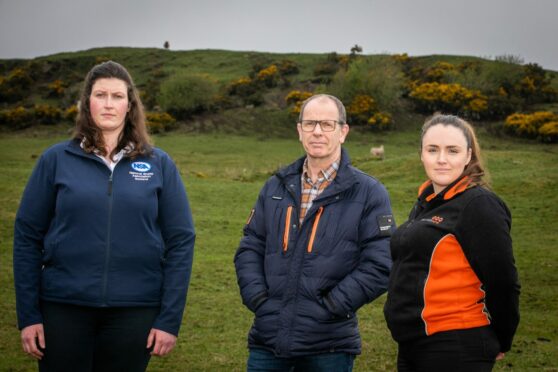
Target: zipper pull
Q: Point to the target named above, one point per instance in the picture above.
(287, 228)
(110, 185)
(314, 228)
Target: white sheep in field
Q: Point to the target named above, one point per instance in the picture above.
(377, 152)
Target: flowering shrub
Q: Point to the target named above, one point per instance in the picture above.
(16, 118)
(401, 58)
(435, 96)
(247, 89)
(56, 88)
(19, 76)
(158, 122)
(361, 108)
(296, 98)
(548, 132)
(297, 95)
(13, 87)
(268, 76)
(70, 113)
(242, 87)
(542, 124)
(380, 121)
(437, 71)
(47, 114)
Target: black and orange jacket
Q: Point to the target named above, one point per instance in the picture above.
(453, 266)
(305, 282)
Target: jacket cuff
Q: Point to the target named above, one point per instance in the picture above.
(333, 308)
(258, 300)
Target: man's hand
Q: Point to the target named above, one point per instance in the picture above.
(161, 341)
(30, 336)
(500, 356)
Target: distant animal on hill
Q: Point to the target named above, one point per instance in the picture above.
(377, 152)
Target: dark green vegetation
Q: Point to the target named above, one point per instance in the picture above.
(203, 88)
(223, 174)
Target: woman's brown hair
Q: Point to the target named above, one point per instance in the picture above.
(134, 132)
(475, 170)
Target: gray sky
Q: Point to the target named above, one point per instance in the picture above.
(484, 28)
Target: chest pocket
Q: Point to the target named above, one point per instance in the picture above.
(282, 227)
(323, 229)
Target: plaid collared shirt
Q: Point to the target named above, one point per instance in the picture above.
(310, 191)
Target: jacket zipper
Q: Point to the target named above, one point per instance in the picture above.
(107, 251)
(287, 228)
(314, 229)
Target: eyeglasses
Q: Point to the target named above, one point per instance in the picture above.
(325, 125)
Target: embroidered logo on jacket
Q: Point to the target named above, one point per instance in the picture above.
(141, 171)
(140, 166)
(435, 219)
(385, 224)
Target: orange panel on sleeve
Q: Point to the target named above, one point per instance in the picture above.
(453, 297)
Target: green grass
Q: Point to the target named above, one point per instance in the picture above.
(223, 174)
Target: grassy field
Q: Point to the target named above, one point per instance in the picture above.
(223, 174)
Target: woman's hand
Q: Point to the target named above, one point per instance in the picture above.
(500, 356)
(30, 336)
(161, 341)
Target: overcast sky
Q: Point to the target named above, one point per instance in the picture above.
(484, 28)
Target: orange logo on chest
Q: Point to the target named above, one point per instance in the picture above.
(437, 219)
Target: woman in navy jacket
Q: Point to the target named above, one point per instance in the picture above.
(103, 241)
(453, 291)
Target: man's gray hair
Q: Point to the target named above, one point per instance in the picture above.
(340, 107)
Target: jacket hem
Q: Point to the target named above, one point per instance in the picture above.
(99, 304)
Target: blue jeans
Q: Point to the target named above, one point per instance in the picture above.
(261, 360)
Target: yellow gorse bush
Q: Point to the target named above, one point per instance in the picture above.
(18, 117)
(453, 97)
(296, 98)
(380, 121)
(71, 112)
(240, 82)
(438, 70)
(297, 95)
(268, 75)
(363, 110)
(549, 131)
(402, 58)
(159, 121)
(47, 114)
(243, 87)
(57, 87)
(531, 125)
(362, 104)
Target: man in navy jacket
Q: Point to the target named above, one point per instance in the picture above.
(315, 249)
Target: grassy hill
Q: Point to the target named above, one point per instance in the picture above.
(395, 85)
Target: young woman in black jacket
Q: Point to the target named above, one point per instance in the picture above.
(453, 295)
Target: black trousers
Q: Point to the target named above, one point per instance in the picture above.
(87, 339)
(461, 350)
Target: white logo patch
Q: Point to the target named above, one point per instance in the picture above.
(141, 171)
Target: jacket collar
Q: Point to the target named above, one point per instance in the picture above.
(74, 147)
(426, 190)
(344, 179)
